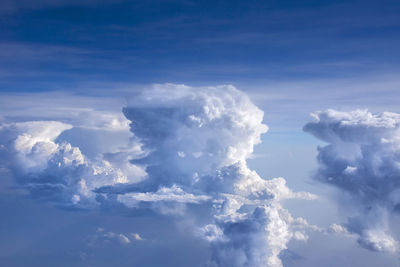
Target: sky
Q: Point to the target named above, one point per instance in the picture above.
(199, 133)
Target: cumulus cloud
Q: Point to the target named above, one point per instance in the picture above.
(164, 194)
(362, 158)
(187, 147)
(195, 131)
(337, 229)
(102, 237)
(255, 238)
(58, 171)
(198, 141)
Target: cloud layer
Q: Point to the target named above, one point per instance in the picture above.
(362, 158)
(187, 146)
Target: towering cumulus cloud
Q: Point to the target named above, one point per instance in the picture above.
(362, 158)
(198, 141)
(188, 148)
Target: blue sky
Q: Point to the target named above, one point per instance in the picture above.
(74, 65)
(57, 45)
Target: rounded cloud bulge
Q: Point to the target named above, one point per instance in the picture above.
(198, 141)
(194, 131)
(186, 147)
(362, 159)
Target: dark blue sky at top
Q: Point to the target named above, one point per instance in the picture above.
(81, 46)
(65, 45)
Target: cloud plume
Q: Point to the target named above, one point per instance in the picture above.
(362, 158)
(199, 140)
(188, 146)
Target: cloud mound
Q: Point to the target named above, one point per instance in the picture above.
(188, 148)
(195, 131)
(362, 158)
(198, 141)
(56, 171)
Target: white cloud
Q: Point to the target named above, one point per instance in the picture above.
(199, 140)
(136, 236)
(337, 229)
(123, 239)
(187, 146)
(56, 170)
(102, 237)
(164, 194)
(362, 159)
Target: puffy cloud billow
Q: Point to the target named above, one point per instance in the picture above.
(56, 171)
(198, 142)
(362, 158)
(188, 146)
